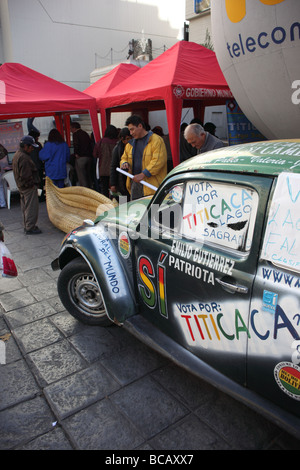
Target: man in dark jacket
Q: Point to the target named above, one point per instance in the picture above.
(117, 180)
(27, 180)
(83, 152)
(200, 139)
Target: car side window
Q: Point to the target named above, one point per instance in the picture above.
(213, 213)
(281, 241)
(168, 215)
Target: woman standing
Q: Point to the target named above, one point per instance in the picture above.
(55, 154)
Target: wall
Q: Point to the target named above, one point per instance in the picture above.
(67, 39)
(64, 38)
(198, 23)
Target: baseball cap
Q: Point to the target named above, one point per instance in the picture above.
(28, 140)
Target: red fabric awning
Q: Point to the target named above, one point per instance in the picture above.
(106, 83)
(186, 75)
(27, 93)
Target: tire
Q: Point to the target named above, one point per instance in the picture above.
(80, 294)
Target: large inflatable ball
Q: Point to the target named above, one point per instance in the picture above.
(257, 43)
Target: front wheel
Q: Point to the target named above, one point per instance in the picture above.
(80, 294)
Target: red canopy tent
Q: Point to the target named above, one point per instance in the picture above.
(106, 83)
(186, 75)
(27, 93)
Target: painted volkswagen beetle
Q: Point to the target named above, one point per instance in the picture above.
(206, 272)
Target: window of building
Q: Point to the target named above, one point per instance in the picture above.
(201, 5)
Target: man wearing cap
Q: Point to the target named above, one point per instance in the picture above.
(27, 179)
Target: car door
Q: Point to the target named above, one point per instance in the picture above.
(274, 348)
(196, 259)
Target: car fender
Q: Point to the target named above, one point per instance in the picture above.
(99, 251)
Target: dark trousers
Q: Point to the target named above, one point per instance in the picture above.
(59, 183)
(104, 185)
(30, 207)
(83, 166)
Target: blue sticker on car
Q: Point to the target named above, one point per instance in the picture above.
(270, 300)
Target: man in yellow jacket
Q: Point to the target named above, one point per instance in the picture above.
(145, 157)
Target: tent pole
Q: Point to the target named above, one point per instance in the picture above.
(103, 115)
(59, 124)
(174, 111)
(95, 124)
(67, 129)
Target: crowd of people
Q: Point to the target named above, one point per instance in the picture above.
(143, 153)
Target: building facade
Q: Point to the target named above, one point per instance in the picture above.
(198, 15)
(68, 39)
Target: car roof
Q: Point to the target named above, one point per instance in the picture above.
(266, 157)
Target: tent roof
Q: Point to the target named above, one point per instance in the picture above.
(186, 65)
(25, 92)
(111, 79)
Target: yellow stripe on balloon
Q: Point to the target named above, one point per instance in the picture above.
(236, 9)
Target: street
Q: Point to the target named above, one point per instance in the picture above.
(68, 386)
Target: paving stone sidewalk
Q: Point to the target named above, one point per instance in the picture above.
(69, 386)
